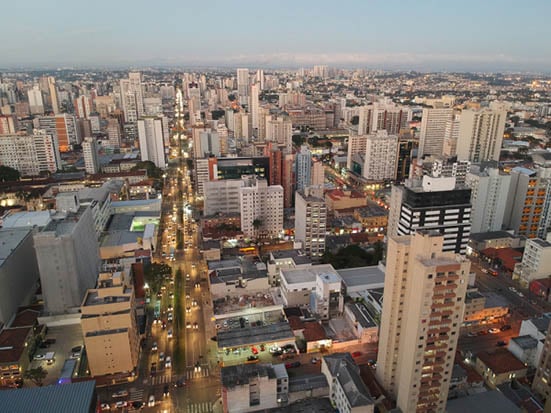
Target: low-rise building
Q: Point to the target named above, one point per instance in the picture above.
(536, 262)
(482, 308)
(347, 391)
(495, 239)
(235, 277)
(372, 217)
(15, 345)
(253, 387)
(362, 322)
(285, 259)
(499, 366)
(525, 349)
(340, 199)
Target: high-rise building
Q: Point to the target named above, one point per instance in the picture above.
(434, 203)
(222, 196)
(68, 258)
(261, 208)
(253, 107)
(243, 88)
(480, 135)
(83, 107)
(321, 71)
(151, 136)
(52, 90)
(451, 135)
(63, 127)
(433, 130)
(280, 131)
(114, 133)
(30, 154)
(422, 312)
(489, 190)
(542, 379)
(390, 117)
(260, 78)
(303, 167)
(132, 97)
(378, 162)
(288, 178)
(91, 158)
(109, 326)
(310, 222)
(317, 176)
(36, 104)
(528, 206)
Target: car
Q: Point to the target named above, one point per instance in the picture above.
(39, 356)
(187, 276)
(181, 382)
(520, 294)
(170, 308)
(161, 356)
(197, 285)
(356, 354)
(501, 343)
(153, 368)
(493, 330)
(137, 405)
(505, 327)
(168, 363)
(105, 406)
(254, 350)
(165, 390)
(169, 317)
(252, 359)
(151, 400)
(187, 296)
(372, 363)
(120, 404)
(154, 346)
(512, 289)
(188, 310)
(314, 360)
(194, 303)
(273, 349)
(169, 333)
(196, 325)
(292, 365)
(163, 326)
(120, 393)
(482, 333)
(472, 334)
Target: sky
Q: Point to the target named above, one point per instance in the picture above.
(445, 35)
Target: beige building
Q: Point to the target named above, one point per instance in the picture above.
(109, 325)
(499, 366)
(483, 308)
(421, 317)
(542, 380)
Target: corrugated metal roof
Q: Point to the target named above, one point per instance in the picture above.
(66, 398)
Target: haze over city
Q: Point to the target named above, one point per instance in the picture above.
(422, 35)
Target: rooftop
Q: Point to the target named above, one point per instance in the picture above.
(488, 401)
(362, 315)
(500, 361)
(255, 335)
(26, 317)
(64, 223)
(304, 275)
(27, 219)
(343, 367)
(485, 236)
(67, 398)
(240, 374)
(12, 344)
(372, 275)
(318, 405)
(309, 382)
(525, 342)
(234, 304)
(10, 239)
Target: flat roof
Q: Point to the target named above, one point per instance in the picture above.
(240, 374)
(66, 398)
(9, 240)
(372, 275)
(500, 361)
(485, 236)
(303, 275)
(27, 219)
(525, 342)
(488, 401)
(64, 223)
(257, 335)
(361, 313)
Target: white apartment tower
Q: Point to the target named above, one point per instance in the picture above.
(433, 130)
(380, 157)
(253, 107)
(310, 222)
(489, 190)
(480, 135)
(53, 95)
(261, 208)
(151, 137)
(132, 97)
(280, 131)
(30, 154)
(243, 87)
(36, 104)
(303, 167)
(422, 312)
(91, 158)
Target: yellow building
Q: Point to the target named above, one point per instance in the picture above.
(109, 326)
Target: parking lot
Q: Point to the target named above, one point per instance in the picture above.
(66, 337)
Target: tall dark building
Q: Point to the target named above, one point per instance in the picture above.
(435, 203)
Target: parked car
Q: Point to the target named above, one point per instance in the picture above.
(356, 354)
(161, 356)
(505, 327)
(292, 365)
(151, 401)
(121, 404)
(168, 363)
(493, 330)
(120, 393)
(501, 343)
(315, 360)
(277, 353)
(154, 346)
(169, 333)
(165, 390)
(254, 350)
(252, 359)
(105, 406)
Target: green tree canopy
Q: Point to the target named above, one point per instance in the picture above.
(151, 168)
(156, 274)
(354, 256)
(36, 375)
(8, 174)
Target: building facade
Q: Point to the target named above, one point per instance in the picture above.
(310, 223)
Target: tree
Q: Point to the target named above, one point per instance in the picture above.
(355, 120)
(151, 168)
(36, 375)
(8, 174)
(156, 274)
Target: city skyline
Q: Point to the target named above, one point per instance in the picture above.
(428, 37)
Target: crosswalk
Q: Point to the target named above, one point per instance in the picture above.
(136, 395)
(161, 379)
(192, 374)
(201, 407)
